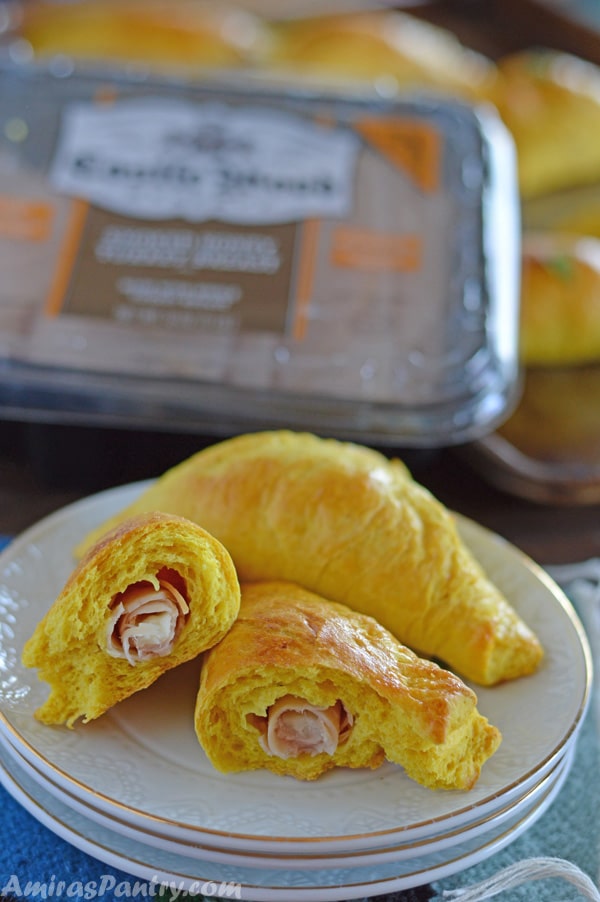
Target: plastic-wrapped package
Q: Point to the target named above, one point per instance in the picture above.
(218, 252)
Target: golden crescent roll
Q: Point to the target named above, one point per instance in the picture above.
(300, 685)
(345, 522)
(151, 594)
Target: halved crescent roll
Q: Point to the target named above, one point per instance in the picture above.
(345, 522)
(300, 685)
(151, 594)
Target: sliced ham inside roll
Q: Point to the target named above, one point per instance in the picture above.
(152, 593)
(146, 621)
(292, 727)
(300, 685)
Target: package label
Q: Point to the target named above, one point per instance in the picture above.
(153, 158)
(248, 240)
(209, 276)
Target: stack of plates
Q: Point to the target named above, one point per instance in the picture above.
(135, 790)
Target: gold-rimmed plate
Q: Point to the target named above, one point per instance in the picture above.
(333, 884)
(141, 762)
(399, 852)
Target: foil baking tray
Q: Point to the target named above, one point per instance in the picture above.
(228, 254)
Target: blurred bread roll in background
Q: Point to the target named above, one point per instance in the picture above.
(183, 35)
(560, 300)
(394, 46)
(550, 102)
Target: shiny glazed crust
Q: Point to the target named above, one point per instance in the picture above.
(345, 522)
(288, 641)
(69, 644)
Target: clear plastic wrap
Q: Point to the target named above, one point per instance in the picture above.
(231, 254)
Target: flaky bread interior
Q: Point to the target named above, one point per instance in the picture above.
(345, 522)
(70, 645)
(289, 642)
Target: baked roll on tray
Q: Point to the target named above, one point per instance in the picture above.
(560, 300)
(397, 46)
(300, 685)
(550, 102)
(345, 522)
(154, 592)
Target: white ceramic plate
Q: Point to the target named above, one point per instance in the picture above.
(253, 859)
(261, 885)
(142, 764)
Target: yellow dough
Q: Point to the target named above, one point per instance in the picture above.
(550, 102)
(342, 520)
(560, 300)
(376, 45)
(151, 594)
(300, 685)
(159, 33)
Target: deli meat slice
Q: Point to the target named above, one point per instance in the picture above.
(294, 727)
(146, 621)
